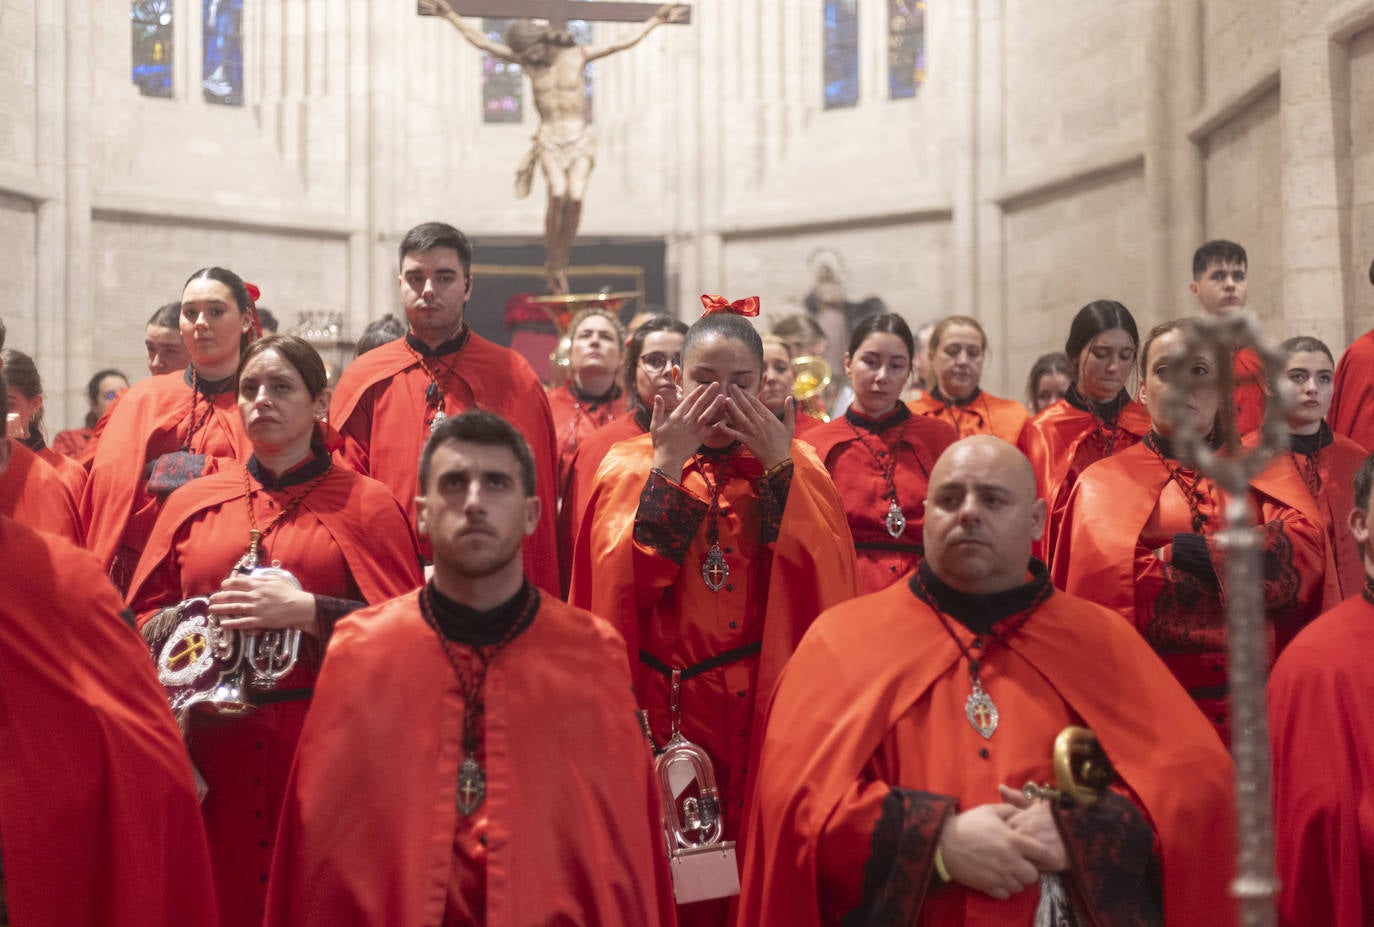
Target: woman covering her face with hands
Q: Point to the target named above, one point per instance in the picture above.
(708, 543)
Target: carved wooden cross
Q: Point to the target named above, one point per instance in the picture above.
(558, 12)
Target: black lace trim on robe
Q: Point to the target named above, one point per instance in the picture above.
(1113, 870)
(594, 402)
(878, 425)
(451, 346)
(901, 860)
(668, 515)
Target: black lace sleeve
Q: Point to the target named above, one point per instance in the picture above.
(773, 491)
(668, 517)
(328, 611)
(1113, 866)
(902, 858)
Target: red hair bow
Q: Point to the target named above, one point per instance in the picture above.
(254, 294)
(749, 305)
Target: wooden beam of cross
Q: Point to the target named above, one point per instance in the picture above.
(558, 12)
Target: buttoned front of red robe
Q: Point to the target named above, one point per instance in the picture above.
(571, 832)
(985, 414)
(381, 412)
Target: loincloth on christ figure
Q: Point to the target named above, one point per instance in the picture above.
(566, 150)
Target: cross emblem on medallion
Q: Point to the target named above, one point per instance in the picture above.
(187, 651)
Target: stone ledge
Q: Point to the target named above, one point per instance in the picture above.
(1349, 20)
(1253, 84)
(202, 214)
(1087, 163)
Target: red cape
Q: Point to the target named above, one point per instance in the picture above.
(72, 442)
(149, 419)
(811, 568)
(574, 422)
(985, 415)
(1248, 392)
(1319, 696)
(72, 474)
(573, 830)
(919, 442)
(1055, 439)
(1352, 404)
(97, 805)
(379, 409)
(579, 476)
(33, 494)
(866, 663)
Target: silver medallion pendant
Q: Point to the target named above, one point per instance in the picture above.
(472, 786)
(896, 519)
(438, 419)
(980, 711)
(714, 570)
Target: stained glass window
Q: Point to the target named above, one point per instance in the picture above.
(503, 83)
(222, 73)
(841, 53)
(906, 47)
(150, 22)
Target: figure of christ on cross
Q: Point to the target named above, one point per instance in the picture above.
(564, 146)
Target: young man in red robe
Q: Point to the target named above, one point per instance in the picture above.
(908, 721)
(1221, 288)
(1352, 404)
(712, 543)
(98, 816)
(472, 755)
(389, 400)
(1323, 749)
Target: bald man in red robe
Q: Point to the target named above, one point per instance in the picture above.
(98, 815)
(907, 722)
(389, 399)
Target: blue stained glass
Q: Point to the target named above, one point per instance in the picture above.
(150, 22)
(906, 47)
(841, 64)
(503, 83)
(222, 74)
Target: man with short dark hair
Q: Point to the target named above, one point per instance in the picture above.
(1352, 404)
(390, 399)
(471, 750)
(162, 340)
(1221, 286)
(902, 732)
(1323, 749)
(98, 808)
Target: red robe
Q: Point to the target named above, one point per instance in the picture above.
(1319, 696)
(33, 494)
(149, 419)
(985, 414)
(873, 700)
(72, 474)
(569, 829)
(1248, 391)
(72, 442)
(577, 480)
(98, 809)
(380, 410)
(575, 420)
(651, 588)
(1104, 554)
(1352, 404)
(349, 540)
(805, 424)
(914, 444)
(1063, 441)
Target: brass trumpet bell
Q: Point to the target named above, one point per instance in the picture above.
(813, 378)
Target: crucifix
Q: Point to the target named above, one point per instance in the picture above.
(564, 146)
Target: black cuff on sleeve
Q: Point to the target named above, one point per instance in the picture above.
(1192, 555)
(1112, 863)
(328, 611)
(773, 501)
(902, 858)
(668, 517)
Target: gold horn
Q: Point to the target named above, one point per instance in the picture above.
(813, 377)
(1081, 769)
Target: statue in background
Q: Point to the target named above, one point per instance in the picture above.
(564, 145)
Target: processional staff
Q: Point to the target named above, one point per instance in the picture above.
(1231, 468)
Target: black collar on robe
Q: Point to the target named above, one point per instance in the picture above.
(611, 395)
(305, 471)
(34, 441)
(1165, 448)
(878, 425)
(477, 628)
(208, 388)
(451, 346)
(1107, 411)
(979, 613)
(957, 403)
(1310, 444)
